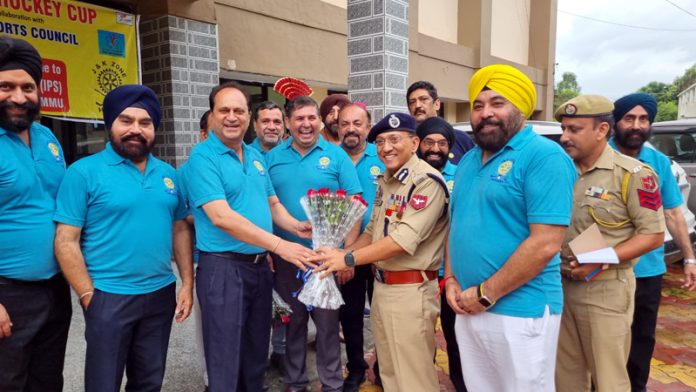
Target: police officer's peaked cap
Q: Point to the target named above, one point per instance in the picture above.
(585, 106)
(393, 122)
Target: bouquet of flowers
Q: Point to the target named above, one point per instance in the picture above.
(281, 311)
(333, 215)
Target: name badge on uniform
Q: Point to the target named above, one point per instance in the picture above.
(597, 192)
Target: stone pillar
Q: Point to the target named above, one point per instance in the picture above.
(378, 54)
(179, 61)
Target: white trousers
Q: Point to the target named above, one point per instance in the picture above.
(508, 354)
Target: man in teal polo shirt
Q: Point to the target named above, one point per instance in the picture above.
(353, 127)
(120, 219)
(234, 208)
(437, 138)
(35, 305)
(510, 209)
(268, 126)
(633, 116)
(308, 162)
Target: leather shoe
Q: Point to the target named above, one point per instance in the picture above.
(353, 381)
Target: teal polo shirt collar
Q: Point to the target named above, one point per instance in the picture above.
(370, 151)
(113, 158)
(518, 142)
(642, 155)
(449, 169)
(320, 144)
(221, 149)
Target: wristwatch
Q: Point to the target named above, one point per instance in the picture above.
(349, 259)
(689, 261)
(484, 300)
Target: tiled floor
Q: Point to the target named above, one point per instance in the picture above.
(674, 361)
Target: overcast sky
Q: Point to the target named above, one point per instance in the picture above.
(613, 60)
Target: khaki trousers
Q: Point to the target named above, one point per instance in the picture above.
(595, 336)
(403, 325)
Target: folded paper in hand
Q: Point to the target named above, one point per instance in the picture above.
(590, 247)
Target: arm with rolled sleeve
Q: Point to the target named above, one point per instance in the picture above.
(206, 191)
(71, 210)
(649, 223)
(413, 228)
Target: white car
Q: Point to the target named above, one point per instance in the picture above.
(552, 130)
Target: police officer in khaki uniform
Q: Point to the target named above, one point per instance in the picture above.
(405, 240)
(621, 196)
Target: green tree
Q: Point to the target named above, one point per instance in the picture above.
(566, 88)
(666, 110)
(666, 94)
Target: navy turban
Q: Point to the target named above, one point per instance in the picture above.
(131, 95)
(625, 104)
(19, 54)
(436, 125)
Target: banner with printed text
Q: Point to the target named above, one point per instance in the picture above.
(86, 50)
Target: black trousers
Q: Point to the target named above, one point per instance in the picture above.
(130, 331)
(328, 344)
(236, 302)
(32, 358)
(647, 303)
(447, 318)
(351, 316)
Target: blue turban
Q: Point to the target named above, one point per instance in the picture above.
(625, 104)
(131, 95)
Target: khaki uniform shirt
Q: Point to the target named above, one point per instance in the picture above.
(598, 192)
(411, 207)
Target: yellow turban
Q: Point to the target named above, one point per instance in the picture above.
(507, 81)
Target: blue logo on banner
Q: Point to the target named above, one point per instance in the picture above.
(111, 43)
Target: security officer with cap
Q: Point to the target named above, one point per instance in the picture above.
(621, 196)
(405, 240)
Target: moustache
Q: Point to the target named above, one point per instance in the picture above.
(488, 121)
(348, 134)
(138, 138)
(419, 111)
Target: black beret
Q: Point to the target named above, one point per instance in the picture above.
(393, 122)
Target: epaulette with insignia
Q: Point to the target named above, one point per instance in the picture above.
(630, 164)
(402, 174)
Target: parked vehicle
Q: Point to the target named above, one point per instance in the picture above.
(670, 137)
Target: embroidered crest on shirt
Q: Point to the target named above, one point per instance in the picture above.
(259, 167)
(324, 162)
(450, 185)
(55, 151)
(169, 186)
(419, 201)
(375, 171)
(503, 170)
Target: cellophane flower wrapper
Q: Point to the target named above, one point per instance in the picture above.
(281, 311)
(333, 215)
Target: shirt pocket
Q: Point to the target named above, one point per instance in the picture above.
(610, 212)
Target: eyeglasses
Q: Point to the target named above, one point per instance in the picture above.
(393, 139)
(429, 143)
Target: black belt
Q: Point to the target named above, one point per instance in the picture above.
(17, 282)
(255, 258)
